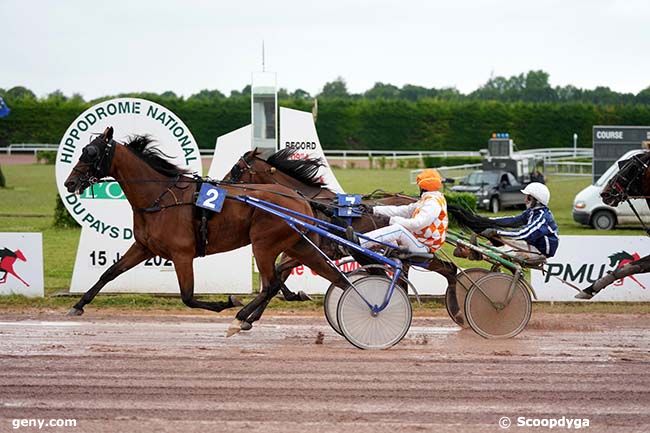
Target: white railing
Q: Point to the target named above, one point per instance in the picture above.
(24, 147)
(568, 168)
(450, 171)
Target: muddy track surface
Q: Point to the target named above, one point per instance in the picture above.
(168, 373)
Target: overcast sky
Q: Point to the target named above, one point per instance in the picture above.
(99, 48)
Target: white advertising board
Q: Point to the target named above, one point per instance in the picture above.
(297, 131)
(106, 217)
(21, 264)
(581, 260)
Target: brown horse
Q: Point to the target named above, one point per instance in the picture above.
(631, 181)
(283, 168)
(165, 224)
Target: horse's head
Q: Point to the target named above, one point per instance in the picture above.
(628, 182)
(283, 167)
(94, 162)
(248, 169)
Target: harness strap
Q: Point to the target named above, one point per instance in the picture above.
(647, 231)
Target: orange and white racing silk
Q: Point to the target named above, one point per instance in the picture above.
(426, 219)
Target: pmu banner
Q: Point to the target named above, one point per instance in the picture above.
(21, 264)
(106, 217)
(581, 260)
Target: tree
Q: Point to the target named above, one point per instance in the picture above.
(56, 97)
(383, 91)
(413, 93)
(300, 94)
(20, 93)
(245, 92)
(206, 95)
(537, 88)
(335, 89)
(643, 97)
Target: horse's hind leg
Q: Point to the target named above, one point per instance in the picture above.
(270, 287)
(283, 269)
(133, 256)
(185, 275)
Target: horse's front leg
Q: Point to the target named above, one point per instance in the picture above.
(185, 275)
(136, 254)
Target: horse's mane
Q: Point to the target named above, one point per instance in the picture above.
(154, 157)
(304, 170)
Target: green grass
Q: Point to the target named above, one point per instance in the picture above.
(29, 200)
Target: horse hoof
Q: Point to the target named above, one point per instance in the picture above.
(75, 311)
(234, 328)
(458, 318)
(304, 297)
(245, 326)
(235, 301)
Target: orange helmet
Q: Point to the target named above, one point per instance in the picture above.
(429, 180)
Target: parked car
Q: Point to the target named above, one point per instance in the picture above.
(494, 189)
(589, 209)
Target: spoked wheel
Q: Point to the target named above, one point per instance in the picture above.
(464, 282)
(487, 311)
(331, 300)
(368, 330)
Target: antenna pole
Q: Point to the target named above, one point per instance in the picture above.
(263, 63)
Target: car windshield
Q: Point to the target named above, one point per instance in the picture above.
(614, 168)
(482, 177)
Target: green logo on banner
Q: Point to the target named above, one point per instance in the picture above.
(104, 191)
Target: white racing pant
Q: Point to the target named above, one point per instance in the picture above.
(521, 249)
(395, 234)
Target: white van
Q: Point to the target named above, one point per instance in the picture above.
(589, 209)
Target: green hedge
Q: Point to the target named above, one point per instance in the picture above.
(461, 199)
(447, 161)
(427, 124)
(62, 217)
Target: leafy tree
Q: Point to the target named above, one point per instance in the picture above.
(335, 89)
(384, 91)
(300, 94)
(413, 93)
(20, 93)
(245, 92)
(643, 97)
(207, 95)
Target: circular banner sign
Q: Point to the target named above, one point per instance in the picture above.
(104, 208)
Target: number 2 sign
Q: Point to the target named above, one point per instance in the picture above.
(211, 197)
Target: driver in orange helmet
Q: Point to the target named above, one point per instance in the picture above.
(419, 227)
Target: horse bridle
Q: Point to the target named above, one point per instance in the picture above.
(620, 192)
(244, 165)
(98, 161)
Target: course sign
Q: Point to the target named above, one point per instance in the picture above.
(104, 208)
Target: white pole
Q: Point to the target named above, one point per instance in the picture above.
(575, 145)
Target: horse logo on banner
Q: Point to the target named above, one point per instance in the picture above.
(7, 260)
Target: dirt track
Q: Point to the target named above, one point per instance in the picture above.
(168, 373)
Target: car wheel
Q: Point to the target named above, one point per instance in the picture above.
(495, 205)
(603, 220)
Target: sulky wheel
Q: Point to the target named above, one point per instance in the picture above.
(487, 311)
(331, 301)
(464, 281)
(368, 330)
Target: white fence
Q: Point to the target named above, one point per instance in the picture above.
(30, 148)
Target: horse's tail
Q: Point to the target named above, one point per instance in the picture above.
(471, 221)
